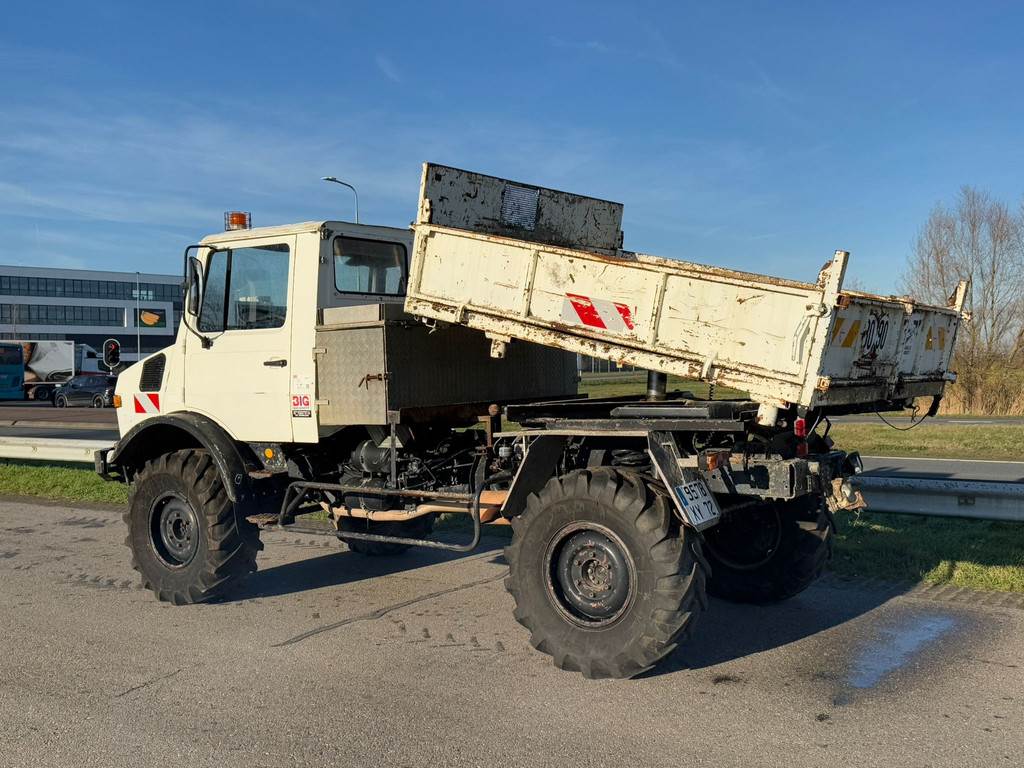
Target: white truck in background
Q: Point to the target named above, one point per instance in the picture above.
(335, 367)
(49, 363)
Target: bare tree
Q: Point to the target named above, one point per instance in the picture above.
(979, 239)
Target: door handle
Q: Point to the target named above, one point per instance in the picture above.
(275, 363)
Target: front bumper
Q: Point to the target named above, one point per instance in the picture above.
(102, 467)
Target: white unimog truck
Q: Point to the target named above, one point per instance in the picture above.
(336, 366)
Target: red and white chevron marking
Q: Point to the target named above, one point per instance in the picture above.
(147, 402)
(596, 313)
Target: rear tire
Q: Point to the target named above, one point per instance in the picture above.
(603, 575)
(417, 528)
(770, 552)
(188, 540)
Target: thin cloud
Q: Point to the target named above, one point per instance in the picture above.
(388, 68)
(595, 46)
(765, 90)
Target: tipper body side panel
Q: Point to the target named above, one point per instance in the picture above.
(491, 266)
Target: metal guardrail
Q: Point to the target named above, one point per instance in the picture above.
(976, 499)
(50, 449)
(900, 495)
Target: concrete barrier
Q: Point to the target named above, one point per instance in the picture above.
(50, 449)
(943, 498)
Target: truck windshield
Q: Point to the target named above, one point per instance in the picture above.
(10, 354)
(369, 266)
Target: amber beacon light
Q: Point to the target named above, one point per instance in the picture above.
(237, 220)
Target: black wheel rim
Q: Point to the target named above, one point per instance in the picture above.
(97, 402)
(174, 530)
(747, 539)
(590, 575)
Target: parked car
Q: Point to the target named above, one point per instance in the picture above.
(95, 391)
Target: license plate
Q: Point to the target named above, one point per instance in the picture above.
(698, 502)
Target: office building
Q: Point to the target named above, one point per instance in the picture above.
(140, 310)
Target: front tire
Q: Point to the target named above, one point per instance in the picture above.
(97, 401)
(769, 552)
(603, 575)
(188, 541)
(60, 401)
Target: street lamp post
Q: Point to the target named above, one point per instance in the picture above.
(138, 320)
(345, 184)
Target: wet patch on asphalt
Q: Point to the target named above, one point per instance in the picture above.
(896, 646)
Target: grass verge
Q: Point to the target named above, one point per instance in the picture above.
(993, 442)
(976, 554)
(965, 553)
(71, 482)
(599, 385)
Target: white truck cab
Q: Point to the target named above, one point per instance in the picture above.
(290, 333)
(244, 357)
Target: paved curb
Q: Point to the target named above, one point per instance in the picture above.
(42, 501)
(939, 593)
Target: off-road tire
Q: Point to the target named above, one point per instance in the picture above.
(417, 528)
(798, 556)
(225, 544)
(667, 592)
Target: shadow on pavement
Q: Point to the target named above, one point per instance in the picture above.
(726, 632)
(729, 631)
(345, 567)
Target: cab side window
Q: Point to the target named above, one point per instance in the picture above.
(369, 266)
(246, 288)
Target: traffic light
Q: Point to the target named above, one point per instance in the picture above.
(111, 353)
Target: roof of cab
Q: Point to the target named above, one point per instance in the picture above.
(255, 232)
(302, 228)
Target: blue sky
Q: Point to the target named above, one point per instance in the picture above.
(758, 136)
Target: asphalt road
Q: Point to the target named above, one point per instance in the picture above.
(328, 658)
(945, 469)
(60, 433)
(938, 421)
(41, 419)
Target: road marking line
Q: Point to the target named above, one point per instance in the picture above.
(932, 458)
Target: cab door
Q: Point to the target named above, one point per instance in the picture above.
(240, 379)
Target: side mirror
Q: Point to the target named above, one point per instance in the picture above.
(194, 286)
